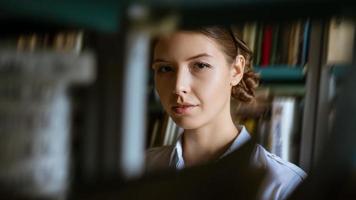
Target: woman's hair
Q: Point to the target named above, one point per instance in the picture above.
(233, 46)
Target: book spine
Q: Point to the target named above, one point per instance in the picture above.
(266, 45)
(258, 43)
(249, 35)
(341, 41)
(282, 126)
(154, 135)
(305, 46)
(293, 44)
(275, 41)
(284, 46)
(168, 131)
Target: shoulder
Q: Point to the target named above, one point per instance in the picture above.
(276, 164)
(282, 176)
(158, 158)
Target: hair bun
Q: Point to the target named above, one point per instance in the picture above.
(245, 90)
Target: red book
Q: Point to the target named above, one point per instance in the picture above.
(266, 45)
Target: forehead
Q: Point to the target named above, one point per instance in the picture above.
(183, 44)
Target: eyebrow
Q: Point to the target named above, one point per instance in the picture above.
(190, 58)
(199, 55)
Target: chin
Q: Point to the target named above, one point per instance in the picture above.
(186, 123)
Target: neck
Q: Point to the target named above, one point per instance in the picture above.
(210, 141)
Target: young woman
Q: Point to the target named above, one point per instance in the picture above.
(196, 74)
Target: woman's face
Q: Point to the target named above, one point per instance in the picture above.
(192, 78)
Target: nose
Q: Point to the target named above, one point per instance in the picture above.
(182, 82)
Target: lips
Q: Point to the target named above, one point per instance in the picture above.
(183, 108)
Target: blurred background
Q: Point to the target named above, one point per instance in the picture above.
(77, 100)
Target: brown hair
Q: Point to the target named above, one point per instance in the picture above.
(233, 46)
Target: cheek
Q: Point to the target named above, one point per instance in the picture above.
(214, 87)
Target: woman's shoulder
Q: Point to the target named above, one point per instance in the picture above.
(282, 176)
(277, 164)
(158, 157)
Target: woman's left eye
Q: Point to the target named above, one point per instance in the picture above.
(201, 65)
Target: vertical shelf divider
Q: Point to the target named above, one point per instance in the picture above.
(311, 100)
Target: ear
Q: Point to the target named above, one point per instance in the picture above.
(237, 70)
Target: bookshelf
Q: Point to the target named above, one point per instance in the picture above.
(92, 140)
(339, 71)
(277, 79)
(36, 75)
(110, 26)
(309, 78)
(286, 73)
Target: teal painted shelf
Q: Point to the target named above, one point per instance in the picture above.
(284, 89)
(339, 70)
(96, 15)
(281, 72)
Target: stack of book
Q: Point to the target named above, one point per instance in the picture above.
(274, 121)
(35, 110)
(278, 43)
(63, 41)
(274, 117)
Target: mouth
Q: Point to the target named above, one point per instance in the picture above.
(182, 109)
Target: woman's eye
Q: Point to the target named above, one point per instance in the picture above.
(164, 69)
(201, 65)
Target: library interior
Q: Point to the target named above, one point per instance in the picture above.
(122, 106)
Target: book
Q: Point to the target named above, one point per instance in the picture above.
(163, 129)
(340, 41)
(262, 130)
(258, 44)
(283, 46)
(249, 34)
(154, 134)
(164, 132)
(266, 45)
(275, 40)
(35, 118)
(250, 124)
(305, 44)
(293, 47)
(282, 128)
(63, 41)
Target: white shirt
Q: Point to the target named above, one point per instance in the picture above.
(281, 179)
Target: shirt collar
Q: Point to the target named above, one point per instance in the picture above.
(177, 161)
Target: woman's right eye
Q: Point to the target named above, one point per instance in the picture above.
(164, 69)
